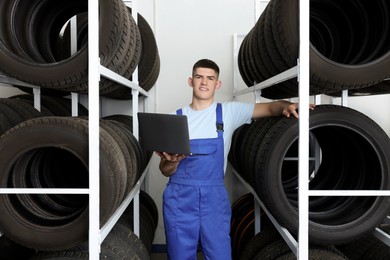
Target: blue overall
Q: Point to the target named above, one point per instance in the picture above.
(196, 207)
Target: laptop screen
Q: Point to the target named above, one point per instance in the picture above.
(164, 133)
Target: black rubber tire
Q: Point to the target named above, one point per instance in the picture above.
(128, 55)
(366, 147)
(148, 61)
(318, 253)
(235, 148)
(367, 248)
(10, 250)
(70, 134)
(279, 250)
(377, 89)
(53, 105)
(120, 243)
(265, 237)
(243, 224)
(251, 143)
(349, 46)
(148, 219)
(149, 64)
(127, 122)
(72, 71)
(369, 32)
(13, 112)
(127, 151)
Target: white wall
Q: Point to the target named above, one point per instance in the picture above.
(377, 107)
(187, 31)
(8, 91)
(190, 30)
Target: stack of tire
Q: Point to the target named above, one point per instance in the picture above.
(242, 228)
(49, 151)
(267, 244)
(348, 151)
(349, 47)
(368, 248)
(43, 57)
(148, 219)
(19, 108)
(121, 242)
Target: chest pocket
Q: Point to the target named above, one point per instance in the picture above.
(203, 163)
(203, 149)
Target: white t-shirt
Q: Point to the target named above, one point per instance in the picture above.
(201, 123)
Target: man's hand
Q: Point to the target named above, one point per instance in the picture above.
(169, 162)
(173, 158)
(291, 109)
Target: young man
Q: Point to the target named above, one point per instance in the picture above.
(196, 208)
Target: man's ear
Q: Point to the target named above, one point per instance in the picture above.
(190, 82)
(219, 84)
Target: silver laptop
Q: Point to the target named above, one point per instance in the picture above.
(164, 133)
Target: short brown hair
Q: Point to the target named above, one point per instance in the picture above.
(206, 63)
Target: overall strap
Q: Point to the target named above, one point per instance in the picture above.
(219, 122)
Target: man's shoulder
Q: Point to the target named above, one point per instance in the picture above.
(236, 104)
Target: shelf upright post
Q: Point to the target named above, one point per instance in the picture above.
(135, 95)
(344, 98)
(235, 61)
(304, 83)
(73, 50)
(37, 98)
(93, 129)
(75, 103)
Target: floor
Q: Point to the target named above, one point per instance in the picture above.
(163, 256)
(158, 256)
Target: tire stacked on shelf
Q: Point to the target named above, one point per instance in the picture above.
(148, 219)
(52, 152)
(278, 249)
(267, 235)
(120, 243)
(43, 58)
(149, 63)
(9, 250)
(243, 223)
(352, 153)
(349, 47)
(53, 105)
(125, 122)
(367, 248)
(13, 112)
(268, 244)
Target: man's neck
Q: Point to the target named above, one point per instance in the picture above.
(201, 104)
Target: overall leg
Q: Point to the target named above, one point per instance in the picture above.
(181, 220)
(215, 224)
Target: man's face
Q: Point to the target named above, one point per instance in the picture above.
(204, 83)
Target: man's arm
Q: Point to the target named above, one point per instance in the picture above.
(169, 162)
(276, 108)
